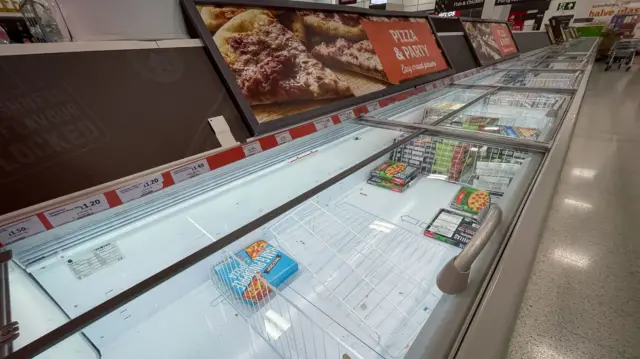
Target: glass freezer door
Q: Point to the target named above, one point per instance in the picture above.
(525, 78)
(349, 270)
(513, 113)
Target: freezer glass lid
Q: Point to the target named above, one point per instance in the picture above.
(545, 64)
(453, 101)
(518, 114)
(358, 263)
(525, 78)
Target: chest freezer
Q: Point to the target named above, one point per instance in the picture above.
(367, 257)
(525, 78)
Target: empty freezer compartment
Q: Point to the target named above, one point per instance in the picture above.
(272, 315)
(374, 269)
(518, 114)
(525, 78)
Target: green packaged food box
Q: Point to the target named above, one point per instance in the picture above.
(379, 182)
(471, 200)
(396, 172)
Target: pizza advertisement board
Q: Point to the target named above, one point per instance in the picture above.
(293, 62)
(491, 41)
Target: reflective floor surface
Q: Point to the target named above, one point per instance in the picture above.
(583, 298)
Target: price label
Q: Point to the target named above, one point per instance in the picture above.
(373, 106)
(76, 210)
(191, 170)
(22, 229)
(283, 137)
(146, 186)
(252, 148)
(323, 123)
(346, 115)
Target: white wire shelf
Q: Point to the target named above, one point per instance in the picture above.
(382, 276)
(275, 318)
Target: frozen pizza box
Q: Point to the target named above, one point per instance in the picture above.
(452, 228)
(379, 182)
(239, 273)
(396, 172)
(470, 200)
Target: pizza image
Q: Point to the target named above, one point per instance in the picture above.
(254, 250)
(478, 200)
(271, 65)
(395, 169)
(214, 17)
(471, 200)
(256, 290)
(334, 24)
(358, 57)
(287, 61)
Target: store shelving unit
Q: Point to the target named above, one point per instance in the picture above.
(366, 282)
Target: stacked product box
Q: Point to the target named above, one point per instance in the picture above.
(495, 168)
(393, 175)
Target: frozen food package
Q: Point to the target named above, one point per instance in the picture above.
(379, 182)
(396, 172)
(245, 273)
(471, 200)
(452, 228)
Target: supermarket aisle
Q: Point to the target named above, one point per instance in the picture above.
(583, 298)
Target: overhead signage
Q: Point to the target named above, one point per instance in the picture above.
(453, 5)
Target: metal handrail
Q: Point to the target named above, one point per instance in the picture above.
(454, 276)
(9, 329)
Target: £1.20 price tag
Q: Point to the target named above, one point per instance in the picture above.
(144, 187)
(21, 229)
(283, 137)
(76, 210)
(191, 170)
(323, 123)
(346, 115)
(252, 148)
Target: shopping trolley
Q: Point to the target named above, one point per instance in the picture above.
(623, 52)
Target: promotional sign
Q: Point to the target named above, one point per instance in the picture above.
(347, 2)
(405, 49)
(298, 63)
(452, 5)
(490, 41)
(516, 19)
(448, 14)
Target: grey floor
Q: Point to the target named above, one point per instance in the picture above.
(583, 298)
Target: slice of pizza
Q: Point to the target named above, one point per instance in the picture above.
(215, 17)
(334, 24)
(358, 57)
(271, 65)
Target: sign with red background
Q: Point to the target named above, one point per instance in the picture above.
(503, 38)
(406, 49)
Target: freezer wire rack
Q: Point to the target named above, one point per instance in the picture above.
(371, 267)
(275, 318)
(484, 167)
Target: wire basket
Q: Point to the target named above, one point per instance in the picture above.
(382, 276)
(483, 167)
(282, 324)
